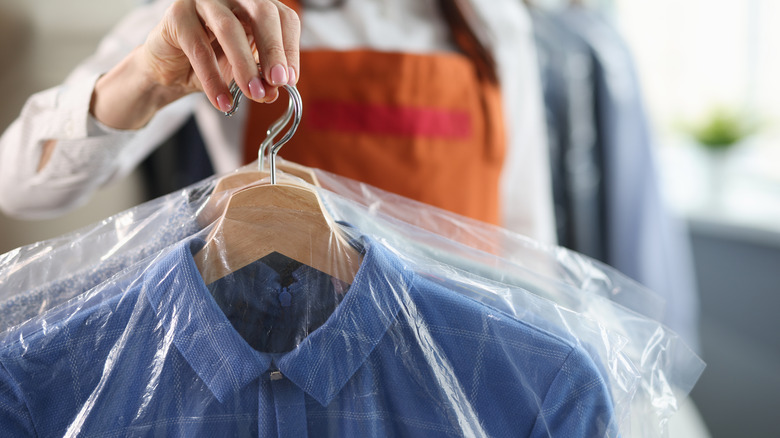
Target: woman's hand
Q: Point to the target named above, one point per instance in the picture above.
(200, 45)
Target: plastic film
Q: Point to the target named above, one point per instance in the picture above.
(392, 355)
(436, 295)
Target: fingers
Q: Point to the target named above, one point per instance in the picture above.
(191, 37)
(291, 38)
(234, 44)
(274, 32)
(219, 37)
(277, 36)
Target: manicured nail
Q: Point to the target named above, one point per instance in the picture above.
(291, 75)
(225, 102)
(278, 75)
(256, 89)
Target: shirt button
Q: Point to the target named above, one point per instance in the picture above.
(276, 375)
(285, 298)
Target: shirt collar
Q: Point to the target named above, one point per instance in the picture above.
(197, 326)
(321, 365)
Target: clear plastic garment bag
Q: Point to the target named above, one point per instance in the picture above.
(253, 304)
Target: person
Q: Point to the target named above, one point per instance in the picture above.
(441, 105)
(444, 143)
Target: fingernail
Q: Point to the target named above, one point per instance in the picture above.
(256, 89)
(278, 75)
(225, 102)
(291, 76)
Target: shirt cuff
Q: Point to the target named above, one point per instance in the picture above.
(73, 100)
(75, 121)
(95, 128)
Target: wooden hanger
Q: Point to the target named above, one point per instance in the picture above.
(279, 218)
(286, 218)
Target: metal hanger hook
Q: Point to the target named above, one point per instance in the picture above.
(295, 108)
(272, 132)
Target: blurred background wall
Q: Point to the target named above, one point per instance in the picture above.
(708, 68)
(40, 42)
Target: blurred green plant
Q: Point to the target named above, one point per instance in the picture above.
(722, 128)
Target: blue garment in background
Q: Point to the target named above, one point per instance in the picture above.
(399, 356)
(644, 241)
(567, 77)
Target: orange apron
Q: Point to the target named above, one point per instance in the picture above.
(428, 127)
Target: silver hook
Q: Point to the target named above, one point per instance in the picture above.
(272, 132)
(295, 107)
(297, 104)
(236, 93)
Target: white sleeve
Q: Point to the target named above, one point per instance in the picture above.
(84, 158)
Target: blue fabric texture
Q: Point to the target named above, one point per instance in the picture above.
(397, 356)
(23, 306)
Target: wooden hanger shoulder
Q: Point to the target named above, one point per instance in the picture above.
(281, 218)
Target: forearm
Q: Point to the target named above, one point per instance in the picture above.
(124, 98)
(127, 96)
(82, 157)
(49, 160)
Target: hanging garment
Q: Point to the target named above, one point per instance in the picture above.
(568, 84)
(533, 268)
(51, 272)
(180, 161)
(51, 290)
(643, 240)
(528, 266)
(426, 126)
(399, 356)
(258, 217)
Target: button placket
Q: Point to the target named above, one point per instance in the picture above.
(290, 406)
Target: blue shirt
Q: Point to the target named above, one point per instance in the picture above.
(398, 356)
(643, 239)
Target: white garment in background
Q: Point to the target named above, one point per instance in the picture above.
(88, 156)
